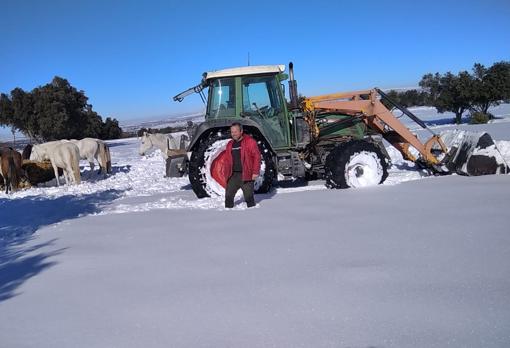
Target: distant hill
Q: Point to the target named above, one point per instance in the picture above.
(173, 121)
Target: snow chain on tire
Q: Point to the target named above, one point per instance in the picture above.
(356, 163)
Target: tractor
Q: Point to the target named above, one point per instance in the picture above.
(335, 137)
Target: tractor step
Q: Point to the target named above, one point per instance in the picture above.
(290, 166)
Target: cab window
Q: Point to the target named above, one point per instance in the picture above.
(223, 98)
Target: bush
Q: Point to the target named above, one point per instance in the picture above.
(479, 118)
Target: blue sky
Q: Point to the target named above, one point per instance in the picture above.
(131, 57)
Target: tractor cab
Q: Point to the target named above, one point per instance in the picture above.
(250, 93)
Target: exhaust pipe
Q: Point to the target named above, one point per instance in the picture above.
(294, 104)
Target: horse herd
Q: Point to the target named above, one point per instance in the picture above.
(66, 155)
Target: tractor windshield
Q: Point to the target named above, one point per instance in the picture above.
(222, 98)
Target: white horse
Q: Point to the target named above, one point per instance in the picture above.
(61, 155)
(91, 149)
(164, 142)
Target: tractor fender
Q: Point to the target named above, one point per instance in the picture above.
(210, 126)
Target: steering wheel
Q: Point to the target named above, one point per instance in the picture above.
(267, 111)
(270, 112)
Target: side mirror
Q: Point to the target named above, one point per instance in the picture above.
(283, 89)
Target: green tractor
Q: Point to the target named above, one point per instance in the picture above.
(336, 137)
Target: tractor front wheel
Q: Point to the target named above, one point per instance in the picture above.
(356, 163)
(207, 170)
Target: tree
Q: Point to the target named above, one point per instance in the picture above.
(450, 92)
(142, 130)
(93, 127)
(111, 129)
(408, 98)
(54, 111)
(6, 113)
(486, 87)
(491, 86)
(61, 110)
(413, 97)
(6, 110)
(394, 96)
(23, 118)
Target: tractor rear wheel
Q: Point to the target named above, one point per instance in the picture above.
(356, 163)
(207, 172)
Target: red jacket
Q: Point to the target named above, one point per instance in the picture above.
(250, 158)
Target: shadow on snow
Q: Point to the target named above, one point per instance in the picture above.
(18, 264)
(94, 176)
(20, 218)
(122, 143)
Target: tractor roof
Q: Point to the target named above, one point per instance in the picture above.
(245, 70)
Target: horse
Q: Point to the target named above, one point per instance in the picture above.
(91, 149)
(27, 150)
(41, 155)
(10, 168)
(106, 150)
(65, 155)
(164, 142)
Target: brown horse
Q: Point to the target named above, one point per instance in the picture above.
(27, 150)
(10, 168)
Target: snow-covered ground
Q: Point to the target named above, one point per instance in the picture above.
(135, 260)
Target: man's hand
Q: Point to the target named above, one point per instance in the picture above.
(254, 177)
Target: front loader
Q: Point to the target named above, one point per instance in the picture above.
(337, 137)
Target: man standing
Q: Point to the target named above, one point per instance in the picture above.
(242, 163)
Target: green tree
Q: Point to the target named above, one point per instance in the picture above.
(450, 92)
(54, 111)
(413, 97)
(6, 111)
(23, 118)
(394, 95)
(94, 123)
(142, 130)
(60, 110)
(111, 129)
(491, 86)
(408, 98)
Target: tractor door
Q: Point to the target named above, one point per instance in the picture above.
(263, 102)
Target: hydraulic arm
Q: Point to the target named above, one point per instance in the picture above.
(367, 106)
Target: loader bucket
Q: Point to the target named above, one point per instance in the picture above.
(176, 163)
(472, 154)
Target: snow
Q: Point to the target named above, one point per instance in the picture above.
(429, 115)
(135, 260)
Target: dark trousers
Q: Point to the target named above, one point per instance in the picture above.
(233, 185)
